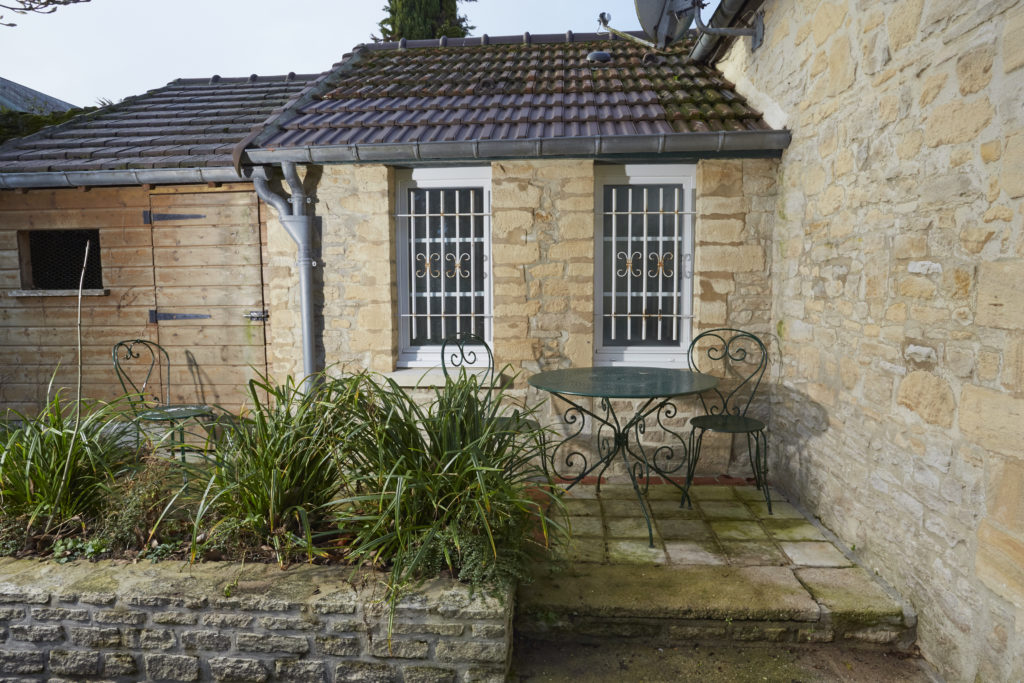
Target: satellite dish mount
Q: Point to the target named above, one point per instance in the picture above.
(666, 21)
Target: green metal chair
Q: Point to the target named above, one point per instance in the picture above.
(469, 351)
(139, 365)
(739, 359)
(465, 351)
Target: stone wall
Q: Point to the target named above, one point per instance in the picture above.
(230, 622)
(897, 271)
(354, 276)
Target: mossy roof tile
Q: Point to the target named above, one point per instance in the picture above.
(503, 89)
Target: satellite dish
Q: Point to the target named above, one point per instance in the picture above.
(665, 21)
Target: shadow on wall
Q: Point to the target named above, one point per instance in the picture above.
(196, 373)
(801, 420)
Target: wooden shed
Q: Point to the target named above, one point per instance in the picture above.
(176, 240)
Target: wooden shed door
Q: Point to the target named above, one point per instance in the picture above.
(209, 277)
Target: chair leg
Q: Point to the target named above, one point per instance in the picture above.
(758, 454)
(692, 455)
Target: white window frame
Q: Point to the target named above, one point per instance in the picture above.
(646, 174)
(410, 356)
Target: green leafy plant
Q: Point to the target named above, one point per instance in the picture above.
(57, 471)
(274, 474)
(69, 549)
(451, 484)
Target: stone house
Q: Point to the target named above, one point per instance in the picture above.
(851, 191)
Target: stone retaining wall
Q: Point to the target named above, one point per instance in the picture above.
(232, 622)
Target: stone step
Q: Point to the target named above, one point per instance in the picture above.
(538, 661)
(664, 604)
(723, 569)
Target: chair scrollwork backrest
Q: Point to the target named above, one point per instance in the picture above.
(467, 350)
(140, 364)
(738, 358)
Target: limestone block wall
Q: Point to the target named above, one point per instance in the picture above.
(229, 622)
(354, 278)
(896, 272)
(543, 249)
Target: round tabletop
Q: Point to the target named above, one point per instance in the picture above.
(623, 382)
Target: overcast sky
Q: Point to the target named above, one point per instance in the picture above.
(111, 49)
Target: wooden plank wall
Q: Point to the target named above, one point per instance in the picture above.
(207, 261)
(38, 334)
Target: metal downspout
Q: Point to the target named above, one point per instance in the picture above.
(723, 17)
(299, 225)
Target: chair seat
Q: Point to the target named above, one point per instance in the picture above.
(174, 413)
(729, 424)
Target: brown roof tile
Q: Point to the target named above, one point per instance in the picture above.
(509, 89)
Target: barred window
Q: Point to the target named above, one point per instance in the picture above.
(645, 272)
(444, 252)
(52, 259)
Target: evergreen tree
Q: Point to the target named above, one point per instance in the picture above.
(418, 19)
(16, 124)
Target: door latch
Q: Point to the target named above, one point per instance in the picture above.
(257, 316)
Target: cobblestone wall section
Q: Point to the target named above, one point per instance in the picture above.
(228, 622)
(357, 206)
(543, 250)
(897, 265)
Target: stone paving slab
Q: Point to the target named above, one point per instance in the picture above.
(694, 592)
(850, 591)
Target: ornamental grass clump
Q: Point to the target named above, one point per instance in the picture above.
(450, 484)
(273, 476)
(57, 468)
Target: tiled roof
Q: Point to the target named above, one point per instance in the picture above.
(509, 89)
(17, 97)
(189, 123)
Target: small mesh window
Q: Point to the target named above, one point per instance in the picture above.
(56, 259)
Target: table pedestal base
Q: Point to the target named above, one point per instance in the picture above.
(623, 440)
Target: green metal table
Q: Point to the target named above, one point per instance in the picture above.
(621, 438)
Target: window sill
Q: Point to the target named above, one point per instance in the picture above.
(425, 378)
(57, 292)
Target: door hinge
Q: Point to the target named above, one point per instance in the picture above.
(155, 316)
(257, 316)
(150, 217)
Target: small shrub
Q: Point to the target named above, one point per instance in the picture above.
(275, 474)
(57, 471)
(139, 503)
(450, 485)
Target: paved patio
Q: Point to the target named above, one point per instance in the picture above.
(722, 571)
(727, 525)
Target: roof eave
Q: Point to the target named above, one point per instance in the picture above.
(757, 143)
(140, 176)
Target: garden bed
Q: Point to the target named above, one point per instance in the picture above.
(225, 621)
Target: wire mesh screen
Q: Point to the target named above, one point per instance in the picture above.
(56, 257)
(645, 265)
(447, 257)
